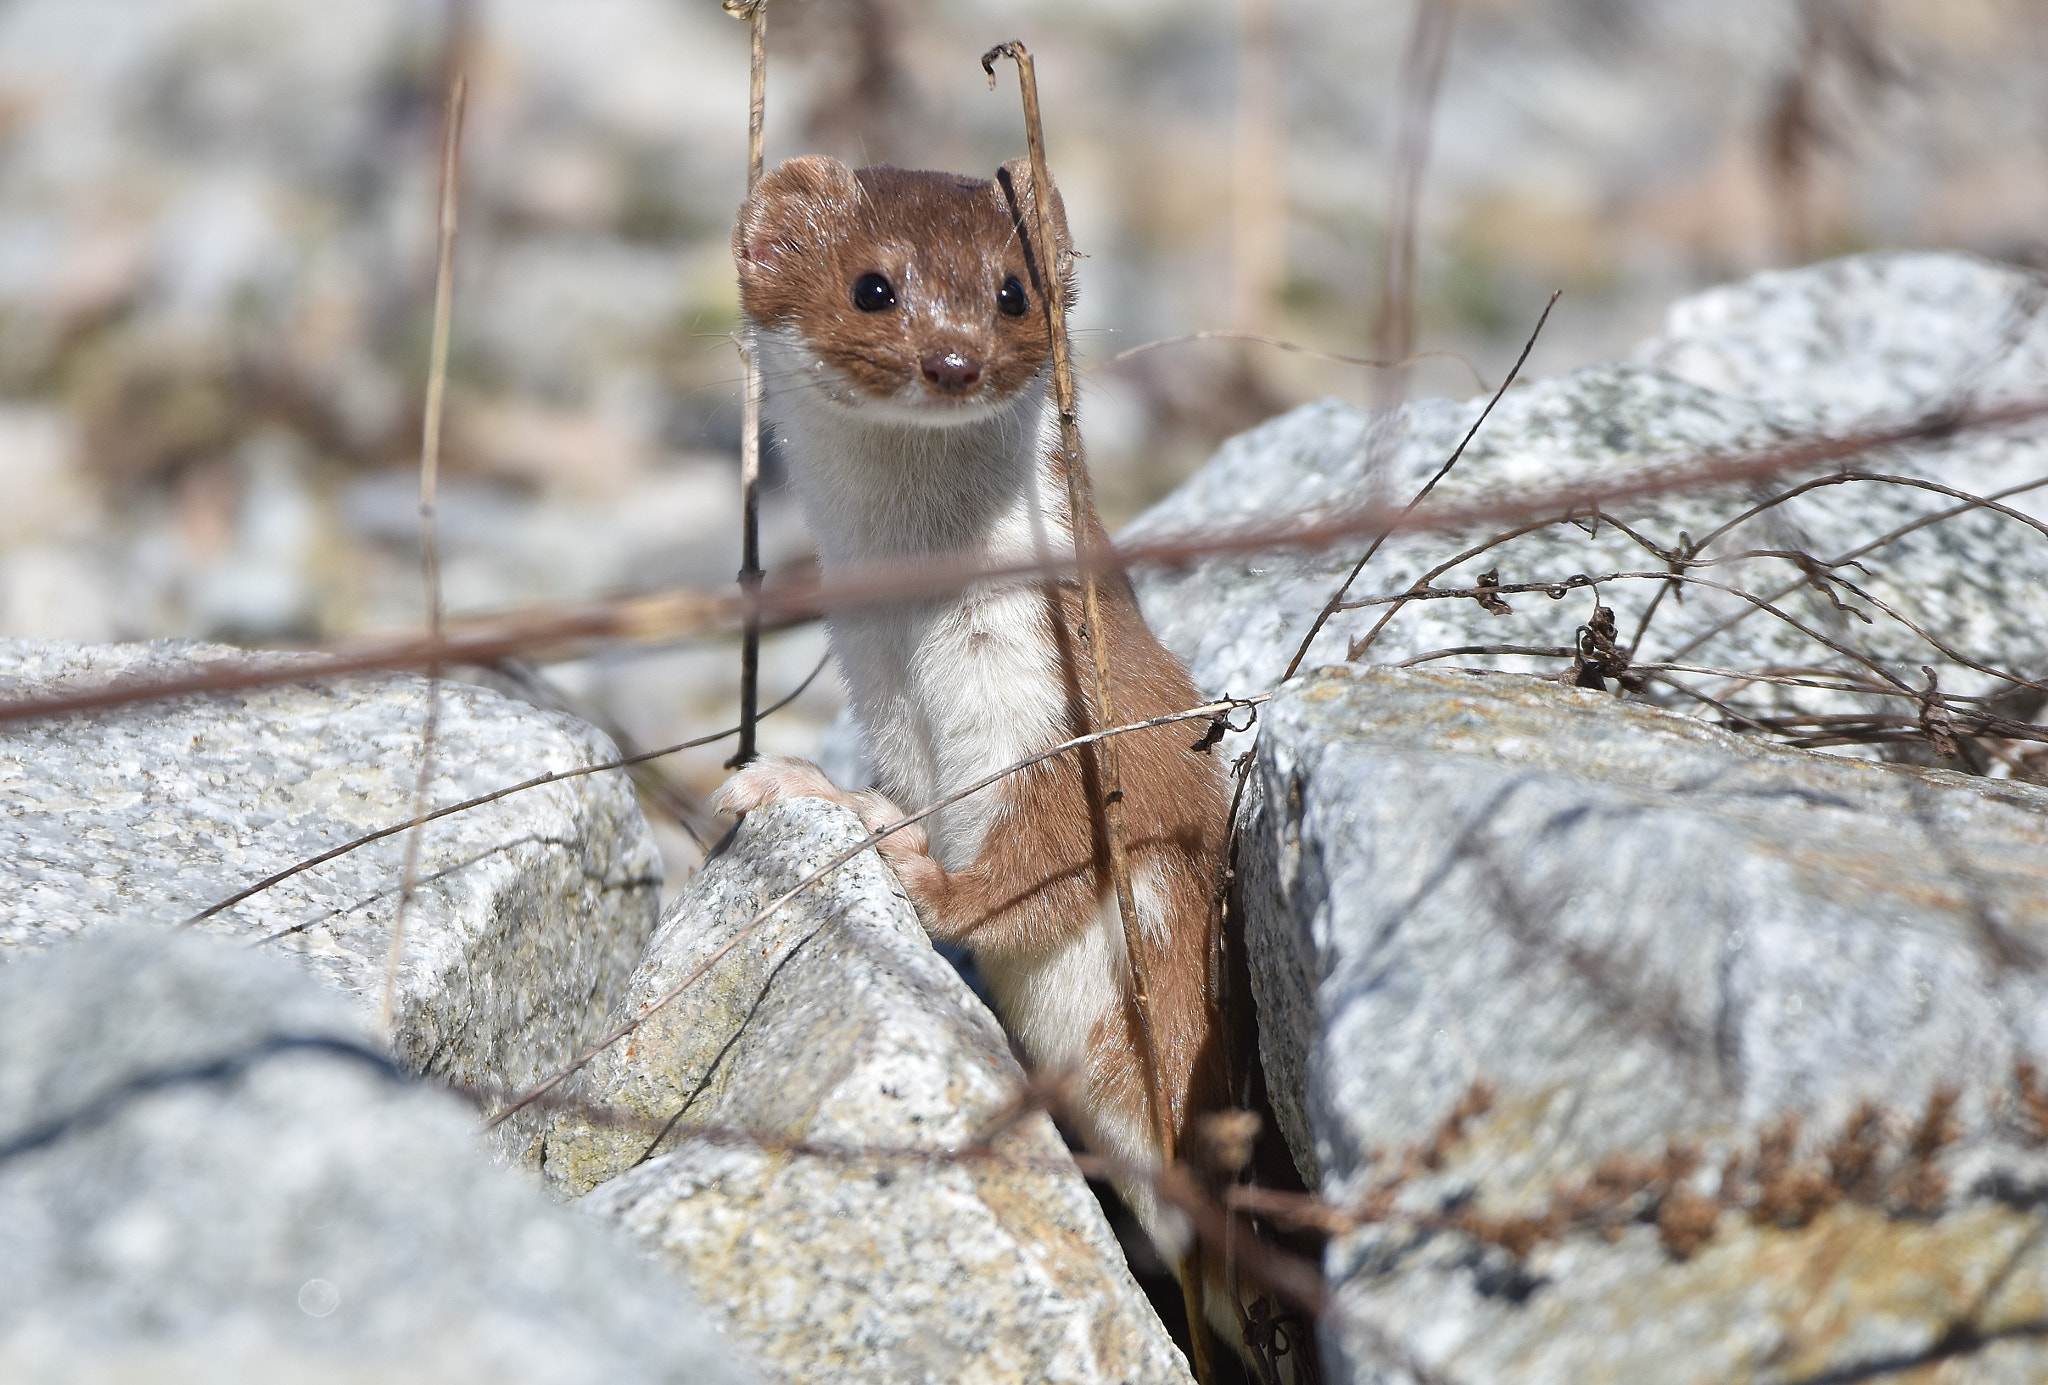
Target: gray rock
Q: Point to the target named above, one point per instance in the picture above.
(1868, 336)
(209, 1173)
(1643, 933)
(835, 1024)
(1734, 376)
(530, 913)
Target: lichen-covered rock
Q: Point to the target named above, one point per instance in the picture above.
(209, 1173)
(1733, 377)
(530, 912)
(1655, 943)
(836, 1025)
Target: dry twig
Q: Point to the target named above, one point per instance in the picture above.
(1107, 804)
(430, 549)
(755, 12)
(668, 616)
(1336, 601)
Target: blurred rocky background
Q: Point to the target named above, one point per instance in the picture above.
(216, 257)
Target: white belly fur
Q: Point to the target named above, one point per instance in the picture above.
(950, 690)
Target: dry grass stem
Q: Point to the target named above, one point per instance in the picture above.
(1336, 601)
(1107, 797)
(668, 616)
(430, 548)
(756, 14)
(1422, 70)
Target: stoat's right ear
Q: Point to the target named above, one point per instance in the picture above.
(793, 210)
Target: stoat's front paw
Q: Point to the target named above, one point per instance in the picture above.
(906, 846)
(771, 779)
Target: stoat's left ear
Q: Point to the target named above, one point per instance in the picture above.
(793, 210)
(1020, 195)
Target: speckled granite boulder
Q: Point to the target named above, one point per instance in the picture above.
(836, 1024)
(530, 912)
(208, 1173)
(1859, 343)
(1866, 336)
(1654, 943)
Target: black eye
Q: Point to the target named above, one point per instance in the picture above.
(872, 293)
(1010, 299)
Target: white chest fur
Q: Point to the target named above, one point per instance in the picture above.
(949, 689)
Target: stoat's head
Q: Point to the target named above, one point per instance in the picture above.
(916, 296)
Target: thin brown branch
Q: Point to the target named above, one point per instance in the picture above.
(668, 616)
(1532, 651)
(1553, 590)
(755, 12)
(1422, 70)
(1971, 502)
(1336, 601)
(430, 547)
(1107, 801)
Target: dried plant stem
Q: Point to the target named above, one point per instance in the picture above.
(1970, 502)
(420, 819)
(1282, 344)
(1258, 200)
(751, 575)
(430, 548)
(1336, 601)
(664, 617)
(1422, 70)
(1108, 807)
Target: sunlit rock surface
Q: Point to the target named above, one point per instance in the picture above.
(834, 1024)
(1846, 347)
(208, 1173)
(529, 913)
(1643, 938)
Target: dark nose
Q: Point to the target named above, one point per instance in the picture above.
(954, 372)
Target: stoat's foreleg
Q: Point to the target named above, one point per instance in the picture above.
(772, 778)
(1033, 884)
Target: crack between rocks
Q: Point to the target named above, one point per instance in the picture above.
(726, 1048)
(226, 1068)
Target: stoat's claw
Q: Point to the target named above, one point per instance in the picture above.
(771, 779)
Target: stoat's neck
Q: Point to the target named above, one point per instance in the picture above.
(952, 687)
(876, 482)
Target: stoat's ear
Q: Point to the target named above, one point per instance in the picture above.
(1021, 198)
(793, 209)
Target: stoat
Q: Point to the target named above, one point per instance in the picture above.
(897, 322)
